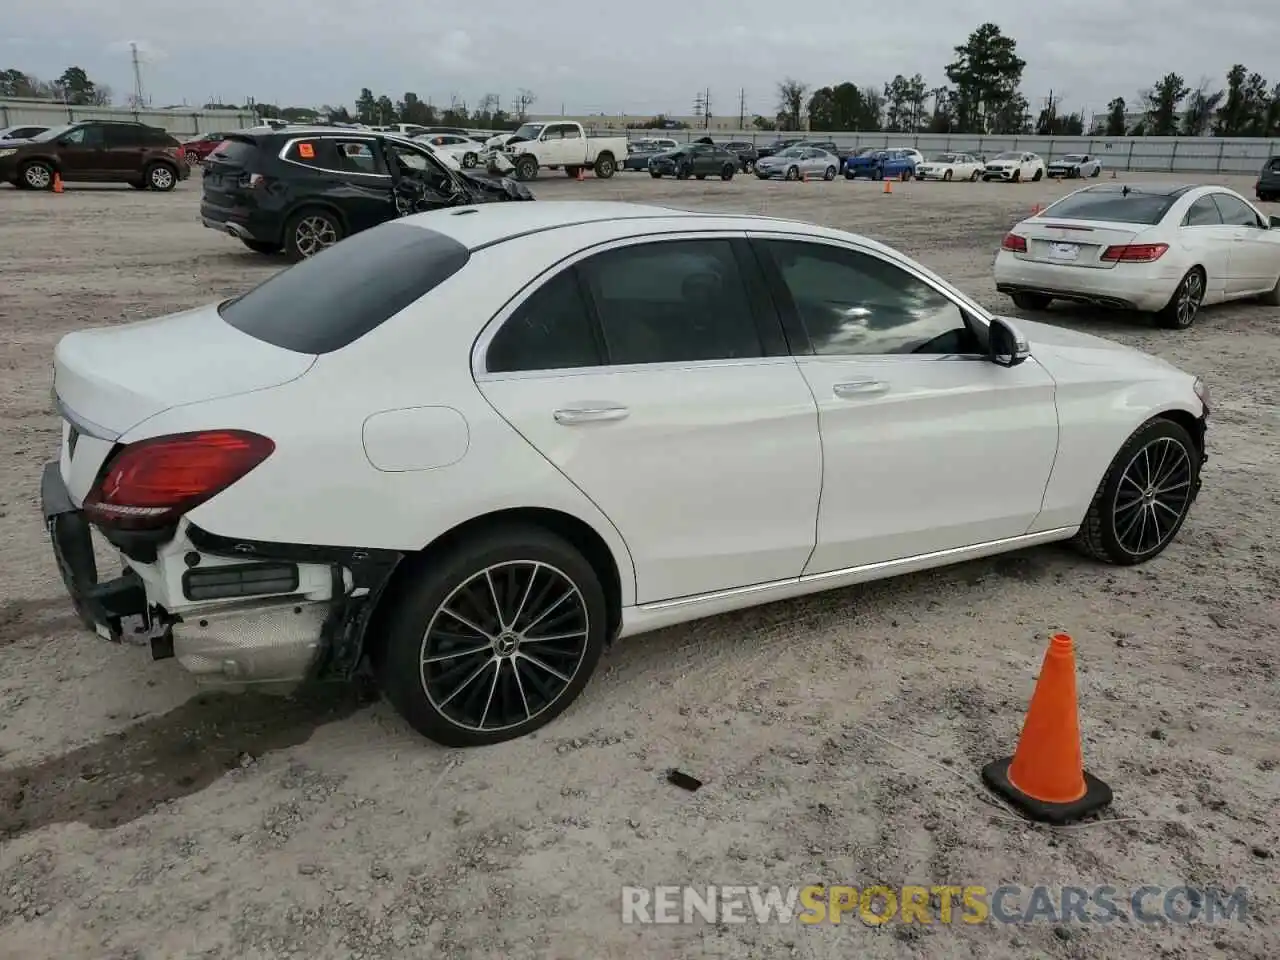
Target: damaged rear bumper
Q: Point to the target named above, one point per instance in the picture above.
(231, 611)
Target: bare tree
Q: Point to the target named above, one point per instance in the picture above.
(791, 102)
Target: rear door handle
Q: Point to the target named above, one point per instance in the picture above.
(591, 414)
(860, 388)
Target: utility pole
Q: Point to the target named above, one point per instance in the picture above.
(742, 108)
(706, 108)
(137, 77)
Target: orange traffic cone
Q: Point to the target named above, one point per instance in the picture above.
(1045, 779)
(1035, 211)
(57, 182)
(888, 186)
(581, 174)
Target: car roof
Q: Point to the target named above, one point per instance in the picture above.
(1147, 189)
(487, 224)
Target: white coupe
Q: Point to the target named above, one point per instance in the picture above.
(950, 166)
(466, 151)
(470, 448)
(1157, 248)
(1014, 166)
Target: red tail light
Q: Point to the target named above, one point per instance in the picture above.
(1014, 243)
(1135, 252)
(151, 483)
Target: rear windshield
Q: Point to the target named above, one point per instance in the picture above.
(333, 299)
(235, 151)
(1113, 206)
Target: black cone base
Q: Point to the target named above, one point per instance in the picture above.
(1096, 796)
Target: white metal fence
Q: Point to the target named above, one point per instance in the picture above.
(1143, 154)
(50, 113)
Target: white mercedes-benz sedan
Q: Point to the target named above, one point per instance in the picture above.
(468, 449)
(1157, 248)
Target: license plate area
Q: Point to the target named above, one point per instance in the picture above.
(1069, 252)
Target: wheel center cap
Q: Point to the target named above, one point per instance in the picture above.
(505, 644)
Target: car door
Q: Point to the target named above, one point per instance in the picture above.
(653, 377)
(82, 153)
(927, 445)
(1253, 254)
(552, 149)
(362, 190)
(1206, 239)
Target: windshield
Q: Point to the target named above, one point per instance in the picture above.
(529, 131)
(1113, 206)
(944, 158)
(1008, 156)
(52, 133)
(791, 152)
(1073, 158)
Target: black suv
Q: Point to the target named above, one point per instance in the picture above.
(1267, 188)
(300, 190)
(95, 151)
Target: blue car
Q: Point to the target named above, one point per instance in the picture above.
(879, 164)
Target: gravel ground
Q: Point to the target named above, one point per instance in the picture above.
(839, 736)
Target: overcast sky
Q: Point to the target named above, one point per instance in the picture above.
(618, 57)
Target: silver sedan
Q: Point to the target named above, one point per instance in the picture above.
(796, 163)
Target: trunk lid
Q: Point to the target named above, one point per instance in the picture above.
(112, 379)
(1074, 243)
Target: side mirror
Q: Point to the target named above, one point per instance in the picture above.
(1008, 345)
(1275, 223)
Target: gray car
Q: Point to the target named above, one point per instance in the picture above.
(1075, 165)
(796, 163)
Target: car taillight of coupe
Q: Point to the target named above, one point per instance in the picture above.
(1158, 248)
(469, 448)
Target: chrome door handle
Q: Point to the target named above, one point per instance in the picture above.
(571, 415)
(860, 388)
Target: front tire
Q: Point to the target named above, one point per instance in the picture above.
(727, 173)
(946, 176)
(1017, 176)
(1039, 175)
(527, 168)
(469, 160)
(1144, 496)
(1184, 306)
(748, 166)
(36, 175)
(829, 174)
(793, 173)
(494, 639)
(605, 166)
(309, 232)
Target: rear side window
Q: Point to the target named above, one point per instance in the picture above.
(552, 330)
(1113, 206)
(1203, 213)
(333, 299)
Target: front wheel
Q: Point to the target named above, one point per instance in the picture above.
(1183, 307)
(946, 175)
(469, 160)
(1096, 172)
(309, 232)
(37, 175)
(1017, 176)
(793, 173)
(1144, 496)
(494, 639)
(829, 174)
(1039, 175)
(527, 168)
(726, 173)
(748, 166)
(605, 166)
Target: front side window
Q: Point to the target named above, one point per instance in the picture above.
(852, 303)
(1235, 213)
(86, 136)
(676, 301)
(358, 156)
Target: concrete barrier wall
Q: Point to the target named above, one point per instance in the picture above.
(50, 113)
(1145, 154)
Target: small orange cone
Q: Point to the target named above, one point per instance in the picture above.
(581, 174)
(57, 182)
(888, 186)
(1045, 779)
(1035, 211)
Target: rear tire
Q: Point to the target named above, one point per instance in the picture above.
(1031, 301)
(1097, 171)
(262, 246)
(605, 166)
(1144, 497)
(160, 177)
(311, 231)
(36, 175)
(498, 688)
(727, 173)
(1272, 299)
(748, 166)
(973, 177)
(1184, 306)
(655, 174)
(527, 168)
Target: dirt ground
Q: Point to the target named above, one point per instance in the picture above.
(839, 737)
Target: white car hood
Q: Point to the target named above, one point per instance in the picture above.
(1053, 346)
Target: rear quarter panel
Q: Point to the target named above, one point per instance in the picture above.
(319, 486)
